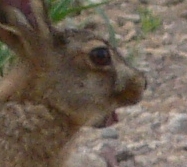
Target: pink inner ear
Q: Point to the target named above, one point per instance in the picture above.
(25, 7)
(22, 5)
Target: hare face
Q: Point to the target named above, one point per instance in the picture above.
(90, 78)
(75, 72)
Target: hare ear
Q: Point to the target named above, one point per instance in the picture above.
(8, 34)
(21, 20)
(35, 11)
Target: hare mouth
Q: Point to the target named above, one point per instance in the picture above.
(107, 121)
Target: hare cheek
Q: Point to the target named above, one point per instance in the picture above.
(91, 92)
(99, 85)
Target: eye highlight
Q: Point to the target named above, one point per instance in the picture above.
(100, 56)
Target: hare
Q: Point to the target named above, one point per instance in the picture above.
(64, 79)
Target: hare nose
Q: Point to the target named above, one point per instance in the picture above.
(127, 77)
(125, 83)
(129, 84)
(146, 84)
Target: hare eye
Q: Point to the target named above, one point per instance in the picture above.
(100, 56)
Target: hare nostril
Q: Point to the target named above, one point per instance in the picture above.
(100, 56)
(146, 84)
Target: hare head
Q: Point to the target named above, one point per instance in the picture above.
(73, 72)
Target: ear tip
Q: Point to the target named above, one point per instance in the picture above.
(23, 6)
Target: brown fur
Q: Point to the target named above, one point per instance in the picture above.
(56, 88)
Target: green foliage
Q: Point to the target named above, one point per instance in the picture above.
(59, 9)
(112, 37)
(5, 56)
(149, 22)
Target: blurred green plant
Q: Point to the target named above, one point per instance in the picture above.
(5, 57)
(148, 21)
(58, 10)
(111, 31)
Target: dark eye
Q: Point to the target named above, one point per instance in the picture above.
(100, 56)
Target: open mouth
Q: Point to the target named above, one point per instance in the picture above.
(108, 120)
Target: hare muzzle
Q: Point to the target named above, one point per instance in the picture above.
(129, 85)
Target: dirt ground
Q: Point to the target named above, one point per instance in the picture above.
(152, 133)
